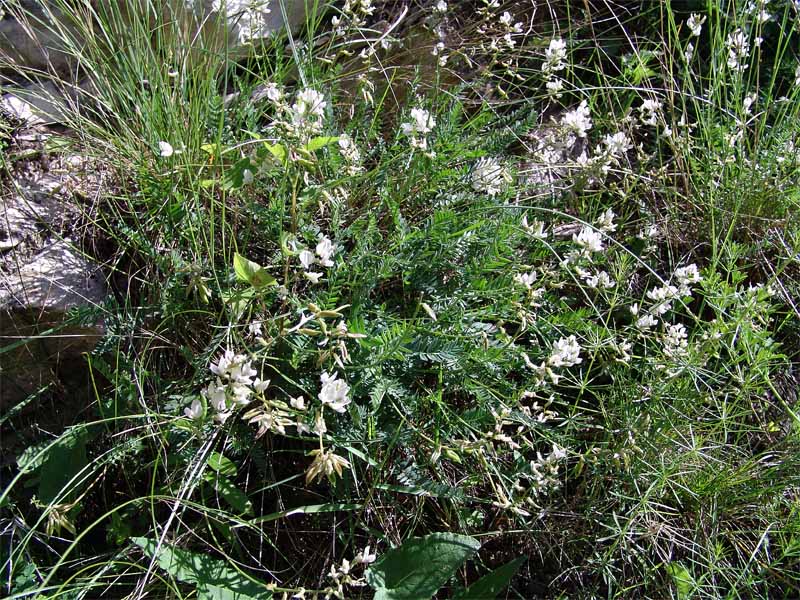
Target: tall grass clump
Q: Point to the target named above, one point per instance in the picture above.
(453, 299)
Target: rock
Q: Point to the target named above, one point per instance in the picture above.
(55, 280)
(42, 278)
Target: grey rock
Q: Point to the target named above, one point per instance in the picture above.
(43, 276)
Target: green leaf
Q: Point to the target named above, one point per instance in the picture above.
(234, 175)
(209, 591)
(683, 580)
(214, 578)
(251, 272)
(232, 494)
(320, 142)
(420, 566)
(278, 151)
(489, 586)
(221, 464)
(65, 459)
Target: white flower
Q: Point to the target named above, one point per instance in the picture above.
(312, 276)
(260, 386)
(309, 102)
(565, 353)
(606, 221)
(649, 111)
(695, 24)
(589, 240)
(306, 113)
(688, 275)
(364, 557)
(554, 88)
(306, 258)
(301, 426)
(165, 149)
(617, 144)
(662, 298)
(298, 403)
(578, 121)
(646, 322)
(489, 176)
(535, 230)
(216, 395)
(254, 328)
(273, 92)
(325, 250)
(195, 411)
(675, 343)
(440, 7)
(506, 18)
(525, 279)
(421, 123)
(601, 279)
(738, 49)
(334, 392)
(748, 102)
(688, 54)
(554, 56)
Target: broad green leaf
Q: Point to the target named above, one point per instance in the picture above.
(209, 591)
(320, 142)
(63, 461)
(251, 272)
(683, 580)
(420, 566)
(210, 574)
(234, 174)
(221, 464)
(211, 149)
(489, 586)
(278, 151)
(237, 301)
(232, 494)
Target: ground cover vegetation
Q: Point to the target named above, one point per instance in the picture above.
(429, 291)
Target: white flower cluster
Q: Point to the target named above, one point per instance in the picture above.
(248, 16)
(554, 61)
(544, 470)
(302, 119)
(322, 255)
(565, 353)
(695, 24)
(489, 176)
(351, 154)
(738, 50)
(589, 239)
(577, 122)
(420, 125)
(650, 112)
(234, 386)
(675, 341)
(307, 113)
(334, 392)
(663, 297)
(354, 15)
(343, 574)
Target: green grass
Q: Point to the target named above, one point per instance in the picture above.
(660, 461)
